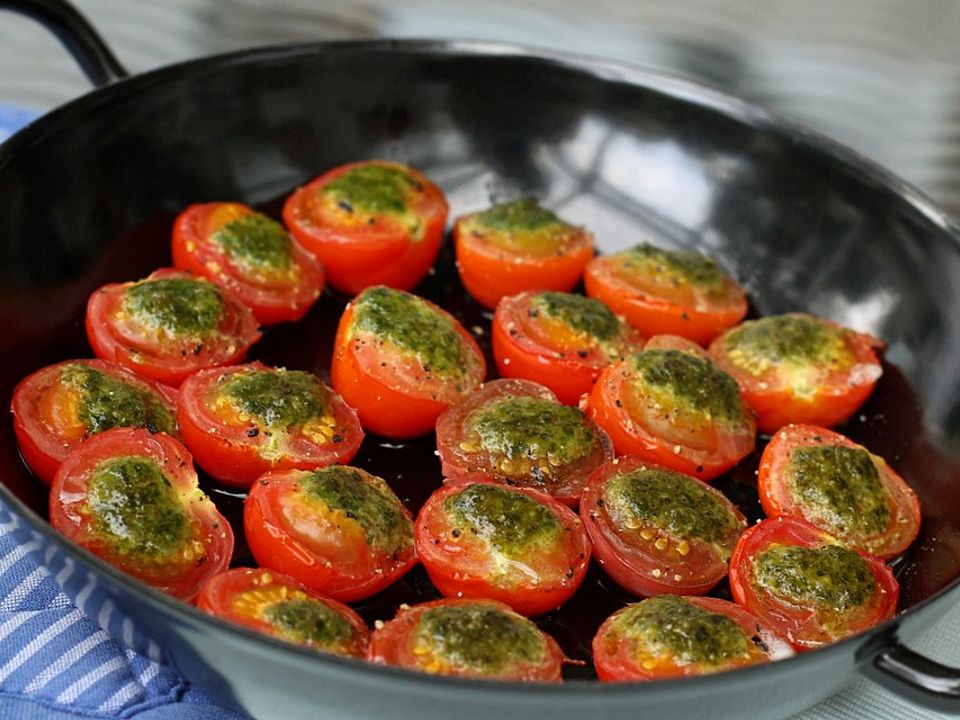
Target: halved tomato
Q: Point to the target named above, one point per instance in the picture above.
(400, 361)
(131, 497)
(798, 368)
(59, 406)
(560, 340)
(515, 545)
(169, 325)
(339, 530)
(370, 223)
(839, 486)
(518, 246)
(801, 580)
(251, 255)
(243, 420)
(655, 530)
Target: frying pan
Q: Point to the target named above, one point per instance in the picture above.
(88, 194)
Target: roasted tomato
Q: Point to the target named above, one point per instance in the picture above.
(840, 487)
(371, 223)
(671, 405)
(131, 497)
(518, 246)
(401, 361)
(664, 292)
(515, 545)
(559, 340)
(243, 420)
(250, 255)
(516, 432)
(798, 368)
(655, 530)
(672, 636)
(276, 604)
(339, 530)
(58, 407)
(799, 579)
(169, 325)
(480, 639)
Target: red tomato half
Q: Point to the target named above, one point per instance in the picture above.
(169, 325)
(131, 497)
(839, 486)
(515, 545)
(339, 530)
(559, 340)
(655, 530)
(800, 580)
(480, 639)
(250, 255)
(241, 421)
(663, 292)
(59, 406)
(671, 636)
(518, 246)
(370, 223)
(798, 368)
(275, 604)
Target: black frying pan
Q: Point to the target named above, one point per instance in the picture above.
(88, 194)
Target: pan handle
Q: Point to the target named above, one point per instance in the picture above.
(916, 678)
(96, 60)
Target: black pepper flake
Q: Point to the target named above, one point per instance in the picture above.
(253, 432)
(198, 348)
(699, 468)
(582, 353)
(600, 502)
(371, 221)
(337, 438)
(455, 532)
(345, 206)
(618, 403)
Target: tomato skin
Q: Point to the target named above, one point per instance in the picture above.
(799, 624)
(777, 499)
(224, 449)
(211, 529)
(275, 300)
(460, 566)
(169, 363)
(645, 570)
(357, 257)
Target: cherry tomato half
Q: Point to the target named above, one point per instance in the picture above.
(275, 604)
(799, 579)
(671, 636)
(243, 420)
(655, 530)
(664, 292)
(370, 223)
(59, 406)
(400, 361)
(839, 486)
(560, 340)
(250, 255)
(131, 497)
(169, 325)
(798, 368)
(515, 545)
(516, 432)
(480, 639)
(339, 530)
(518, 246)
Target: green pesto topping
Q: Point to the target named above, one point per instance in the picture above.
(793, 339)
(370, 504)
(372, 189)
(509, 521)
(135, 509)
(479, 638)
(583, 315)
(524, 215)
(106, 402)
(830, 577)
(180, 306)
(409, 324)
(310, 622)
(676, 266)
(671, 626)
(668, 501)
(690, 381)
(257, 241)
(277, 398)
(841, 487)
